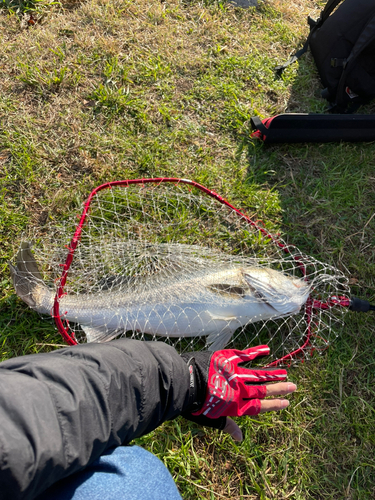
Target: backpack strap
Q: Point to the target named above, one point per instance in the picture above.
(279, 69)
(314, 25)
(367, 36)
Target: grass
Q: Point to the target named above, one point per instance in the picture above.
(97, 91)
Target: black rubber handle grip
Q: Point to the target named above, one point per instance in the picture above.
(359, 305)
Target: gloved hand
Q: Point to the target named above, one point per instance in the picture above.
(219, 387)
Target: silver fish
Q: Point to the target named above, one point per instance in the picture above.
(206, 302)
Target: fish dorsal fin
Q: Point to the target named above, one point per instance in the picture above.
(236, 292)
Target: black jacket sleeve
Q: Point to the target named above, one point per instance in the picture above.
(60, 411)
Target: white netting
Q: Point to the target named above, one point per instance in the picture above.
(167, 262)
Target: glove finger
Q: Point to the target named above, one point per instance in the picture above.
(255, 406)
(262, 391)
(251, 407)
(265, 375)
(254, 375)
(237, 356)
(253, 352)
(227, 360)
(253, 391)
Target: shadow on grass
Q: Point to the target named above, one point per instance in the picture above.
(327, 194)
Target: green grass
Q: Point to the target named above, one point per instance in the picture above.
(97, 91)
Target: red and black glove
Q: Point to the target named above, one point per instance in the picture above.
(220, 388)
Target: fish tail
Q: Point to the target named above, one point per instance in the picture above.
(26, 276)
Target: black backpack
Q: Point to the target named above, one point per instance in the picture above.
(342, 42)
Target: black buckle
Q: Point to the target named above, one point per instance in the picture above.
(336, 62)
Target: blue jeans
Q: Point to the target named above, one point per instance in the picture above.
(123, 473)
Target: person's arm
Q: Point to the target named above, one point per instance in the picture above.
(60, 411)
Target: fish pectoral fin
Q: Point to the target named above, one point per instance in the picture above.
(97, 334)
(236, 292)
(219, 339)
(268, 294)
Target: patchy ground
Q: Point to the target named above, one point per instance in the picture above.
(102, 90)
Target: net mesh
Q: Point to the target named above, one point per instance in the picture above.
(167, 262)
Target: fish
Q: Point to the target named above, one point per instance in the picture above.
(212, 300)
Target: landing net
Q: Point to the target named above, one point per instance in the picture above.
(167, 241)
